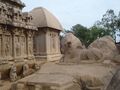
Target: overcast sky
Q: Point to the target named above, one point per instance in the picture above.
(71, 12)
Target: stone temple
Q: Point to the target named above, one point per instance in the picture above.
(27, 36)
(31, 59)
(46, 40)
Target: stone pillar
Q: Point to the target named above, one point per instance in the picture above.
(47, 41)
(13, 45)
(3, 48)
(23, 45)
(16, 44)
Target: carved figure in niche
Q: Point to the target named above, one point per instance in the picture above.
(53, 38)
(17, 13)
(9, 14)
(18, 48)
(13, 74)
(3, 10)
(7, 46)
(25, 69)
(52, 41)
(0, 79)
(20, 16)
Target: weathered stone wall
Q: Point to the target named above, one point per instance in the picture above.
(47, 44)
(16, 35)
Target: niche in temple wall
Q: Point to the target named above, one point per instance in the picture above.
(7, 44)
(52, 42)
(17, 45)
(23, 44)
(17, 16)
(3, 11)
(30, 43)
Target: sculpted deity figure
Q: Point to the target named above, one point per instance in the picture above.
(7, 46)
(17, 46)
(25, 69)
(13, 74)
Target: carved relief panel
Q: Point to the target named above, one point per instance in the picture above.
(3, 11)
(17, 46)
(7, 45)
(17, 17)
(23, 46)
(9, 15)
(30, 43)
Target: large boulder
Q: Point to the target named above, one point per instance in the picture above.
(91, 54)
(71, 46)
(107, 46)
(115, 82)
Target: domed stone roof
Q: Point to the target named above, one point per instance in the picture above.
(43, 18)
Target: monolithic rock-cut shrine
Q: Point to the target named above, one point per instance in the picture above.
(46, 40)
(34, 57)
(16, 32)
(27, 36)
(18, 29)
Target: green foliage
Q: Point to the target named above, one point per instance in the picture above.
(110, 22)
(108, 25)
(97, 32)
(81, 32)
(86, 35)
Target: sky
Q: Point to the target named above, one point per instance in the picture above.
(72, 12)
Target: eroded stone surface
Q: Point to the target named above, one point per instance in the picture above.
(64, 75)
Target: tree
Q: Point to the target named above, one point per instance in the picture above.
(81, 32)
(88, 35)
(96, 32)
(109, 22)
(108, 25)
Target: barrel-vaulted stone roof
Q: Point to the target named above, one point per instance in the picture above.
(43, 18)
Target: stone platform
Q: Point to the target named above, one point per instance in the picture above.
(62, 77)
